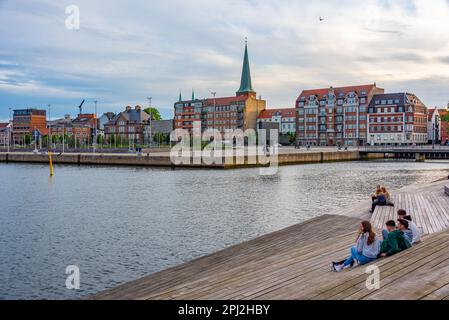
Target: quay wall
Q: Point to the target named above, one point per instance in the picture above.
(164, 160)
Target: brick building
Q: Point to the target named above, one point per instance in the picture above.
(397, 119)
(81, 127)
(334, 116)
(444, 129)
(236, 112)
(26, 121)
(127, 125)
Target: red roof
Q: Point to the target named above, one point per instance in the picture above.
(225, 101)
(269, 113)
(3, 125)
(345, 90)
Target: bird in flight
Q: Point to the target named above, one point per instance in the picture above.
(321, 18)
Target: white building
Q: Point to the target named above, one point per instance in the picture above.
(433, 125)
(285, 118)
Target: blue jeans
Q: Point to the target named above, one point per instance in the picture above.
(357, 256)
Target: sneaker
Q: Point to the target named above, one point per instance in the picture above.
(338, 267)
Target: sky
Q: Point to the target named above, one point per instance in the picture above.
(126, 51)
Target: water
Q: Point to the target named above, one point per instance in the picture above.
(120, 223)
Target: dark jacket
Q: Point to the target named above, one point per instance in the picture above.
(394, 243)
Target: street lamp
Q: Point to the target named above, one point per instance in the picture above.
(151, 123)
(94, 144)
(433, 135)
(214, 94)
(9, 130)
(49, 125)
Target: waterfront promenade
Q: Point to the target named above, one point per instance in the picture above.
(286, 156)
(294, 263)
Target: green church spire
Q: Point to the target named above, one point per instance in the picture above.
(245, 83)
(193, 94)
(180, 96)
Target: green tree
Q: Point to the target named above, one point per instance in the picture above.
(291, 137)
(445, 118)
(154, 112)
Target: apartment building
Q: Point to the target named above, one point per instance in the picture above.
(334, 116)
(26, 122)
(397, 119)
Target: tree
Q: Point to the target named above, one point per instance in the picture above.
(154, 112)
(291, 137)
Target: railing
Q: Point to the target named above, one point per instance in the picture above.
(405, 148)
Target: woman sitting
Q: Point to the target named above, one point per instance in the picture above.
(387, 196)
(366, 249)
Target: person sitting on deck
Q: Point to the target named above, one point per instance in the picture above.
(413, 233)
(366, 249)
(376, 193)
(394, 240)
(387, 196)
(381, 200)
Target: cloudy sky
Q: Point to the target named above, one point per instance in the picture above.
(126, 51)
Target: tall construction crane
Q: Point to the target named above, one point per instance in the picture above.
(81, 106)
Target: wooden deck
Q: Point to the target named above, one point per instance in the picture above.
(429, 209)
(294, 263)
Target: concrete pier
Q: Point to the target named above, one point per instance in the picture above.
(162, 159)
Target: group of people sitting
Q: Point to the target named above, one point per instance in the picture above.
(380, 197)
(368, 247)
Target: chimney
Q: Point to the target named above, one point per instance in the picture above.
(138, 108)
(128, 108)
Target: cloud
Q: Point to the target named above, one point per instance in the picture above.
(126, 51)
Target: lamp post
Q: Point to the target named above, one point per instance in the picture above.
(214, 94)
(94, 144)
(151, 123)
(63, 137)
(49, 125)
(9, 130)
(35, 141)
(433, 135)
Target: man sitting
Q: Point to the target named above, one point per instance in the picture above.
(413, 232)
(381, 200)
(394, 240)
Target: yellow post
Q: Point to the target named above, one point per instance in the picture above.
(51, 164)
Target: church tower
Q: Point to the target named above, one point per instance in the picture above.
(246, 87)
